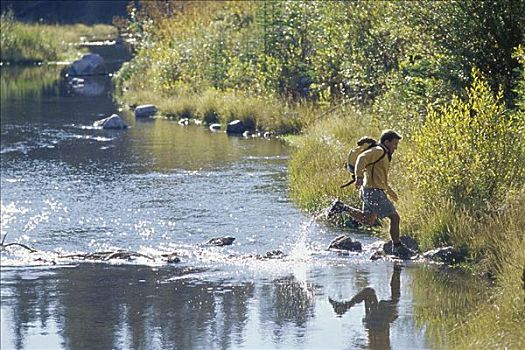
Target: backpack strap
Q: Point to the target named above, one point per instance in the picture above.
(377, 161)
(373, 163)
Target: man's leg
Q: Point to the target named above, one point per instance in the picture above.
(361, 216)
(398, 248)
(338, 207)
(394, 227)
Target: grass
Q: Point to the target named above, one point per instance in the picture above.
(213, 106)
(29, 43)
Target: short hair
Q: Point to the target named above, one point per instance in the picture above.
(389, 135)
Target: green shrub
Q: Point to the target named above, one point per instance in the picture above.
(470, 151)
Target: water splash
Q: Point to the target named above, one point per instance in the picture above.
(301, 251)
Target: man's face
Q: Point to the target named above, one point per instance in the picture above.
(392, 145)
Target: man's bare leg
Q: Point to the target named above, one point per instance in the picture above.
(359, 215)
(394, 227)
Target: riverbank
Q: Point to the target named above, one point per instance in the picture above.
(451, 193)
(25, 44)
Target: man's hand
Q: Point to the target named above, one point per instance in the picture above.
(358, 182)
(393, 195)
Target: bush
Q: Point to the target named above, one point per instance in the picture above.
(469, 151)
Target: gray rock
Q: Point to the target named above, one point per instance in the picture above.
(184, 121)
(112, 122)
(447, 255)
(235, 127)
(344, 242)
(274, 254)
(171, 258)
(145, 111)
(221, 241)
(215, 127)
(406, 240)
(90, 64)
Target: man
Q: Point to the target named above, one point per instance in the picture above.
(371, 171)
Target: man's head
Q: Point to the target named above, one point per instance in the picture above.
(390, 139)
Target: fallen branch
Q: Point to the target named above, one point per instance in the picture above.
(3, 246)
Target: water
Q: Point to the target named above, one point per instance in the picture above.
(158, 187)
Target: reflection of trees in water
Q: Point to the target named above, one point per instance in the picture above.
(288, 301)
(31, 304)
(98, 305)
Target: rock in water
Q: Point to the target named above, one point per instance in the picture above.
(90, 64)
(235, 127)
(145, 111)
(222, 241)
(447, 255)
(406, 240)
(344, 242)
(112, 122)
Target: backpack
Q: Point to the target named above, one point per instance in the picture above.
(363, 144)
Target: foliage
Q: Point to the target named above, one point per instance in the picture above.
(471, 34)
(475, 147)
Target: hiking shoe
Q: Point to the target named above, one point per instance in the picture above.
(401, 250)
(337, 207)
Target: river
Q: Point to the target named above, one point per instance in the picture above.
(159, 187)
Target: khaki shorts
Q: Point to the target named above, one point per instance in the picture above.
(375, 201)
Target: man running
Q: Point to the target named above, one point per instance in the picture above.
(371, 171)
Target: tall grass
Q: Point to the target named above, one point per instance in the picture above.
(214, 106)
(25, 43)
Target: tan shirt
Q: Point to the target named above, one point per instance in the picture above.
(375, 175)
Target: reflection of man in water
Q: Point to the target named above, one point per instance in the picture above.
(378, 315)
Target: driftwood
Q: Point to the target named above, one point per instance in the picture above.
(105, 256)
(102, 256)
(4, 245)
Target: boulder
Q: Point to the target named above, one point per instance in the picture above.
(145, 111)
(446, 255)
(90, 64)
(112, 122)
(221, 241)
(344, 242)
(235, 127)
(406, 240)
